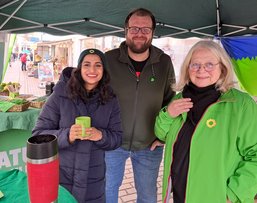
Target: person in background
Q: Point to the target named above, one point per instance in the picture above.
(84, 92)
(31, 56)
(141, 76)
(23, 62)
(209, 130)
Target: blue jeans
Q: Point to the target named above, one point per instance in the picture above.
(145, 165)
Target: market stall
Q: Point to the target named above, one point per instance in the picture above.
(18, 118)
(15, 129)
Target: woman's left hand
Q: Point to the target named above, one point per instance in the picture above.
(93, 134)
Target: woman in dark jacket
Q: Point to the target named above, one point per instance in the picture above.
(86, 92)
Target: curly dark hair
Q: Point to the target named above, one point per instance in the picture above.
(77, 89)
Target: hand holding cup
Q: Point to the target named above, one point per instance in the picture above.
(94, 134)
(78, 130)
(84, 122)
(82, 130)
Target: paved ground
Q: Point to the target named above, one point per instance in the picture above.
(29, 85)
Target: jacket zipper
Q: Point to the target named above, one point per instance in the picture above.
(169, 188)
(218, 101)
(135, 108)
(136, 100)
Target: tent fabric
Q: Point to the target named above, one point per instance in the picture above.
(243, 51)
(177, 18)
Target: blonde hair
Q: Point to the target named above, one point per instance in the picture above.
(225, 82)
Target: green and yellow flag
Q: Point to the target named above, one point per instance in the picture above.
(243, 51)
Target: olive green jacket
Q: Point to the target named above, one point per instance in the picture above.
(140, 98)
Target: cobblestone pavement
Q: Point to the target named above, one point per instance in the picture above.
(127, 193)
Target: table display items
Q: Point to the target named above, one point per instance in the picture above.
(49, 88)
(8, 104)
(38, 102)
(10, 89)
(43, 168)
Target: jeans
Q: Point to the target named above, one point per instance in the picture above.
(145, 164)
(23, 66)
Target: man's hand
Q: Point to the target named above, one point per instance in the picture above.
(156, 143)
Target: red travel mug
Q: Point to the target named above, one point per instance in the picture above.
(43, 168)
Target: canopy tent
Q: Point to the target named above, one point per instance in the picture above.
(176, 18)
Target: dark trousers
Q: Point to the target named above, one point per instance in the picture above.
(23, 66)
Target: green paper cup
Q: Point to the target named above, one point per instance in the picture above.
(85, 122)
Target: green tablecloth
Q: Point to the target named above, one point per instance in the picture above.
(15, 129)
(13, 185)
(24, 120)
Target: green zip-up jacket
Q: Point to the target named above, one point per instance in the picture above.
(140, 98)
(223, 150)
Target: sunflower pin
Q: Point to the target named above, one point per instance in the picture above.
(211, 123)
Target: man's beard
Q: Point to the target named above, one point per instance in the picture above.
(135, 49)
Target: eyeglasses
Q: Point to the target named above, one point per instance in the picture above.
(208, 67)
(135, 30)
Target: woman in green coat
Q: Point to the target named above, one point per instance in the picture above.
(210, 131)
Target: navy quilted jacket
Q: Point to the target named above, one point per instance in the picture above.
(82, 166)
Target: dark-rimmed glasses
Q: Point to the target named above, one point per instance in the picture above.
(135, 30)
(208, 67)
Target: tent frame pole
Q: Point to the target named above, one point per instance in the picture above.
(13, 13)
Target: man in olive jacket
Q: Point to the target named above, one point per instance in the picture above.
(141, 76)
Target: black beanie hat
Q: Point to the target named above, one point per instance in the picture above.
(92, 51)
